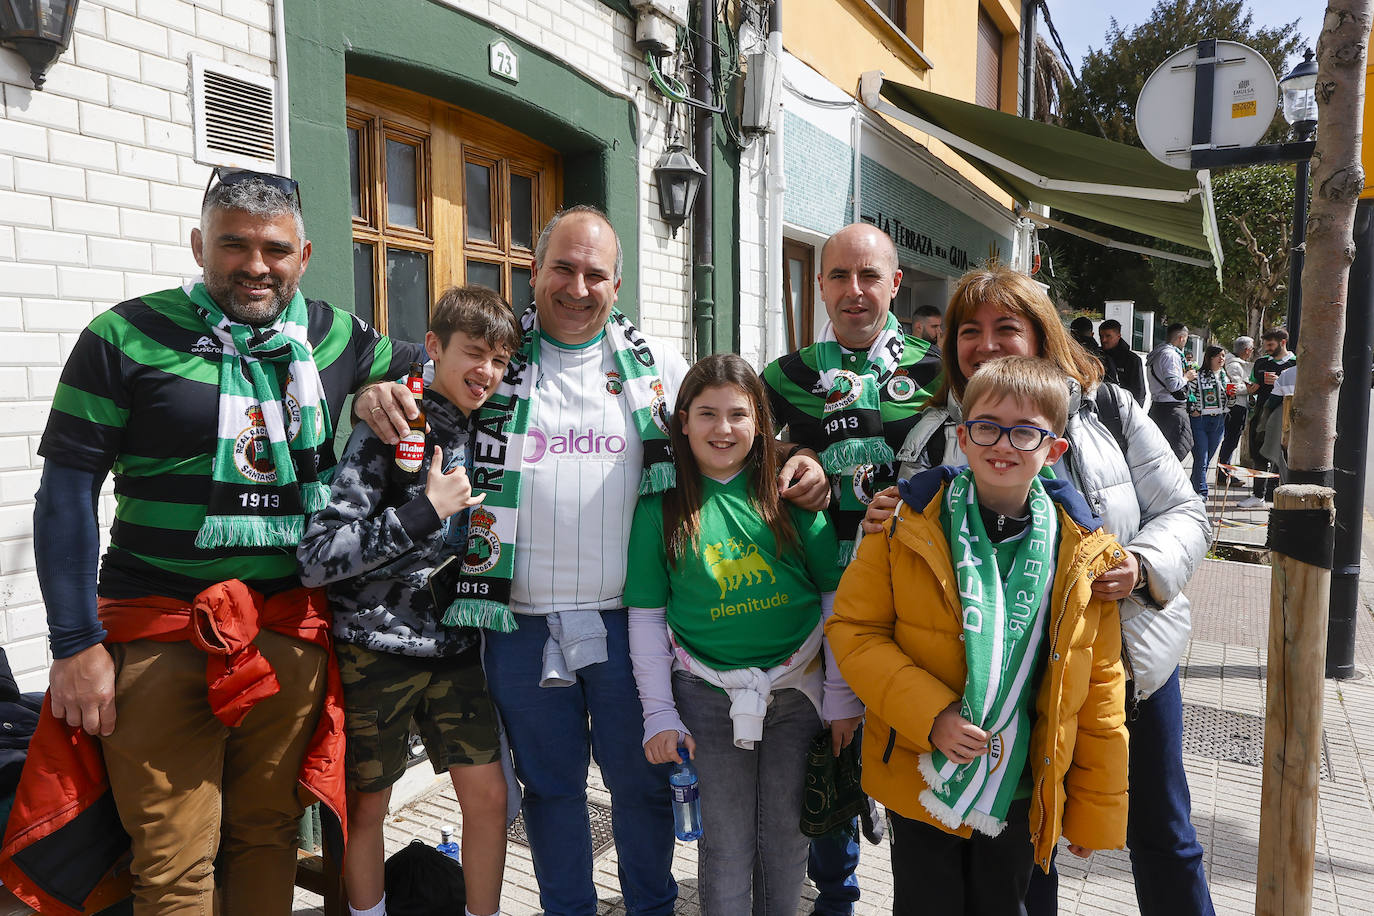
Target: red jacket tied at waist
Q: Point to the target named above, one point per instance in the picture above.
(64, 775)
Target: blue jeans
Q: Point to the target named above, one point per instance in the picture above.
(830, 866)
(1166, 857)
(550, 737)
(1208, 431)
(752, 853)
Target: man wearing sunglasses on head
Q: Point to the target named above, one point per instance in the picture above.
(196, 673)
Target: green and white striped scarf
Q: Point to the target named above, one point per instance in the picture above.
(272, 419)
(1004, 627)
(854, 420)
(502, 423)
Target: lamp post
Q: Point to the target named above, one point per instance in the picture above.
(1299, 110)
(39, 30)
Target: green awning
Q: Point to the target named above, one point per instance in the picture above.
(1076, 173)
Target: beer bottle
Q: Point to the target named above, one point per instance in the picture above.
(410, 448)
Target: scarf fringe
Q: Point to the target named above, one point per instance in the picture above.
(250, 531)
(314, 496)
(658, 478)
(926, 764)
(841, 456)
(477, 612)
(940, 811)
(985, 823)
(980, 821)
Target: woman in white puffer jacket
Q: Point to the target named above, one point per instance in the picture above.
(1121, 463)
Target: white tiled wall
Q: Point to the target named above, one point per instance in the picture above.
(97, 191)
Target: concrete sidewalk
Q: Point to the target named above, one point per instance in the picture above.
(1223, 677)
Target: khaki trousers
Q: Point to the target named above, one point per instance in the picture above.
(189, 789)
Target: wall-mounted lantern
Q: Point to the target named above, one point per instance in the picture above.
(678, 178)
(39, 30)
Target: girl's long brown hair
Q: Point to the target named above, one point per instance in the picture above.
(1019, 295)
(682, 504)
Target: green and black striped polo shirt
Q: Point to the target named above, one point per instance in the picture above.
(797, 397)
(139, 395)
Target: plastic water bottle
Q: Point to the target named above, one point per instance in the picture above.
(686, 798)
(447, 846)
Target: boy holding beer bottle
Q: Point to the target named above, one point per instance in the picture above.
(388, 545)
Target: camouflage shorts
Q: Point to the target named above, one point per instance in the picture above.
(447, 699)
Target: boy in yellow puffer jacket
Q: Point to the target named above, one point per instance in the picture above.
(992, 676)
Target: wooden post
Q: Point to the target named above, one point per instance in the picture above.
(1299, 594)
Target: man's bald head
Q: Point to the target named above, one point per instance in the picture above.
(859, 277)
(864, 234)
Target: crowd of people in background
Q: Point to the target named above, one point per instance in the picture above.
(1229, 405)
(985, 494)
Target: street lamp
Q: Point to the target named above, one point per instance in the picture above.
(678, 178)
(1300, 96)
(1300, 110)
(39, 30)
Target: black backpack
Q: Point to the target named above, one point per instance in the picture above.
(422, 881)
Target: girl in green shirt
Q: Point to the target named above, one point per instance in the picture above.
(728, 587)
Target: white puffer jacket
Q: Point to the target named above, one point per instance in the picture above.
(1142, 497)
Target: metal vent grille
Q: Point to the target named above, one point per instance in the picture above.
(599, 817)
(1233, 736)
(235, 114)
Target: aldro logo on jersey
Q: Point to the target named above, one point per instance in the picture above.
(484, 547)
(253, 449)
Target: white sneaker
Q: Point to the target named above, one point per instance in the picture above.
(1252, 502)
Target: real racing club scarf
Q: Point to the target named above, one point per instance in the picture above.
(1003, 628)
(272, 419)
(853, 423)
(502, 423)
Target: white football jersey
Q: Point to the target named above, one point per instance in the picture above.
(580, 479)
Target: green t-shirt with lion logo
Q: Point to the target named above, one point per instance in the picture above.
(734, 602)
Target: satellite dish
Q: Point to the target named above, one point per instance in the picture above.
(1245, 96)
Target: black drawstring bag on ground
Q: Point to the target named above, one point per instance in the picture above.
(422, 881)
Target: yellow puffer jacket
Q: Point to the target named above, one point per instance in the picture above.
(896, 634)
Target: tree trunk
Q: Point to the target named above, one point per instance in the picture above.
(1302, 525)
(1337, 180)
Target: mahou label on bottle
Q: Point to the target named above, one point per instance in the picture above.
(410, 450)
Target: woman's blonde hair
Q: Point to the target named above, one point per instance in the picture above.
(1019, 295)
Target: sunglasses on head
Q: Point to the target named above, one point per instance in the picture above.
(227, 176)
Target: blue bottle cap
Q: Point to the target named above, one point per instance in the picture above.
(682, 753)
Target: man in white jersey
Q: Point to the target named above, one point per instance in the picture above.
(562, 680)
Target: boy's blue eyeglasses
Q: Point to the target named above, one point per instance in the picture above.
(1022, 438)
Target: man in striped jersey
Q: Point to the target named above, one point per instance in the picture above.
(215, 405)
(852, 397)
